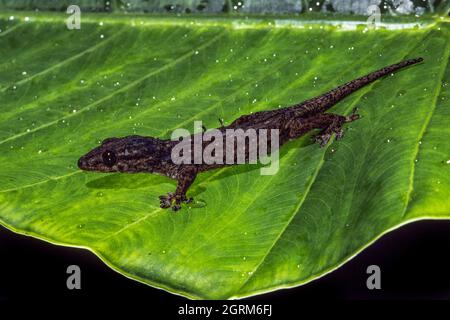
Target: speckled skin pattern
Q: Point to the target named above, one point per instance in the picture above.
(134, 154)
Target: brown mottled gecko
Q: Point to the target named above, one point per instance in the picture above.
(134, 154)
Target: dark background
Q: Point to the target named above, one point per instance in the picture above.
(413, 260)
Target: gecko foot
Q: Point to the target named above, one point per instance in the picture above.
(173, 200)
(322, 138)
(166, 201)
(354, 116)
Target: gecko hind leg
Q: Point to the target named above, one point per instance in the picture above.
(334, 125)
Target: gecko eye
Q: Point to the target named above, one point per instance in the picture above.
(109, 158)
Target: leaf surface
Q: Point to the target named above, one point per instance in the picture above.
(63, 91)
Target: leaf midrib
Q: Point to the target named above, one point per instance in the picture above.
(367, 89)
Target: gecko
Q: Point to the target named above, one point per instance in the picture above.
(133, 154)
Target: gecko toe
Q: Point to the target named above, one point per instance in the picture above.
(164, 205)
(188, 200)
(352, 117)
(339, 134)
(165, 201)
(323, 139)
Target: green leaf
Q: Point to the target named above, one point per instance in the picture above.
(63, 91)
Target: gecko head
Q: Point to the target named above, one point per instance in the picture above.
(127, 154)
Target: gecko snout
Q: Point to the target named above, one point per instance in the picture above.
(86, 163)
(82, 163)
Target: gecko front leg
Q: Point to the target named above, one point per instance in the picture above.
(186, 177)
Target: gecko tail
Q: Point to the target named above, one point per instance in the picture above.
(356, 84)
(329, 99)
(342, 91)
